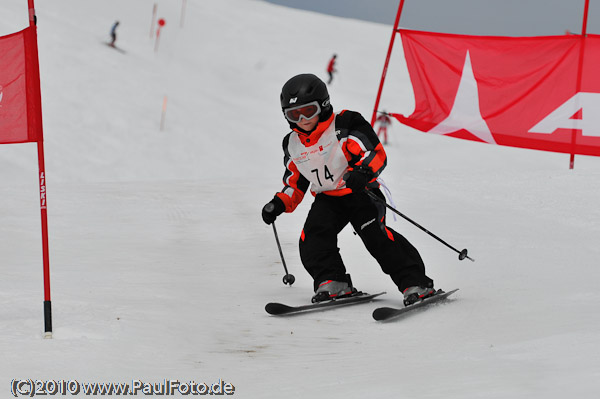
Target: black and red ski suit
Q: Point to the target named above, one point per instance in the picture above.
(340, 144)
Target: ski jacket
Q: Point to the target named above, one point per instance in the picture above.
(331, 65)
(384, 120)
(344, 142)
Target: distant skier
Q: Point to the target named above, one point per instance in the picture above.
(384, 121)
(113, 33)
(331, 68)
(340, 155)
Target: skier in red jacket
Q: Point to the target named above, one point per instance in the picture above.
(340, 157)
(331, 68)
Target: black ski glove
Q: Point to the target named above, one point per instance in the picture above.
(273, 209)
(357, 179)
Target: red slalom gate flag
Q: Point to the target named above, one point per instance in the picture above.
(20, 100)
(21, 120)
(532, 92)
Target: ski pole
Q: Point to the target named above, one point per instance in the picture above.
(461, 254)
(288, 278)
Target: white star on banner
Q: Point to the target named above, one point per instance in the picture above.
(465, 113)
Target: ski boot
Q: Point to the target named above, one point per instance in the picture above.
(330, 289)
(417, 294)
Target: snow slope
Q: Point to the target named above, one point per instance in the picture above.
(161, 265)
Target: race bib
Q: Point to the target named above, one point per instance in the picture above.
(323, 163)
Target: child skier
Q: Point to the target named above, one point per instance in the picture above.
(340, 155)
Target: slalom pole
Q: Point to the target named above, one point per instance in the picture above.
(152, 21)
(461, 254)
(161, 23)
(579, 76)
(42, 181)
(163, 114)
(387, 61)
(182, 13)
(45, 247)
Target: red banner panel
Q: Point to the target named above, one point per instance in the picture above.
(20, 104)
(531, 92)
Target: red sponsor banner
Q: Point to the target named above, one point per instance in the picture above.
(532, 92)
(20, 104)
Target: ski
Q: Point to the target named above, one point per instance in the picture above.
(279, 309)
(119, 49)
(382, 314)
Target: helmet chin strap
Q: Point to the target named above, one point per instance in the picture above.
(307, 132)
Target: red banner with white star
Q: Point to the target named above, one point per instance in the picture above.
(20, 100)
(532, 92)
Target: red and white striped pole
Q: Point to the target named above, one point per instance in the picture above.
(35, 84)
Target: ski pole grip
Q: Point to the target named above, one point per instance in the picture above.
(270, 207)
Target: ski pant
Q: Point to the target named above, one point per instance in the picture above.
(383, 131)
(330, 73)
(329, 215)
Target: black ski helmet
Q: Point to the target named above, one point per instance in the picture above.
(303, 89)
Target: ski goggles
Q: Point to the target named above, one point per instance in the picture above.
(306, 111)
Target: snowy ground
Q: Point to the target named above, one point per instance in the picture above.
(161, 265)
